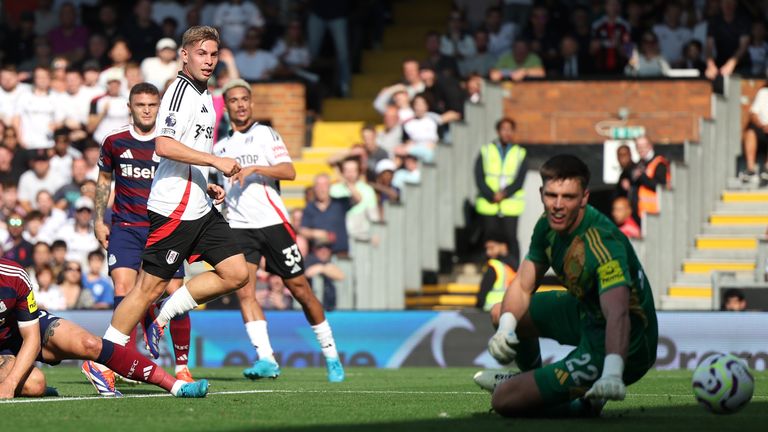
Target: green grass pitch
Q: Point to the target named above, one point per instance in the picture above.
(422, 399)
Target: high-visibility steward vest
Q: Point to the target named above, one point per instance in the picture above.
(647, 201)
(498, 175)
(504, 276)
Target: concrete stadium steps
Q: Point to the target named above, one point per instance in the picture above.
(338, 134)
(368, 85)
(450, 296)
(709, 265)
(685, 303)
(745, 196)
(727, 242)
(391, 61)
(361, 109)
(739, 218)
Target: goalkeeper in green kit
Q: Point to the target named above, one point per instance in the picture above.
(607, 312)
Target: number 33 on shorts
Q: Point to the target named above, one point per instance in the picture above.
(292, 255)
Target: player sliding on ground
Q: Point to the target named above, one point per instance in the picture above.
(130, 153)
(259, 218)
(607, 312)
(28, 335)
(183, 222)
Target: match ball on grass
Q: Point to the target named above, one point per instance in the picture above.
(723, 384)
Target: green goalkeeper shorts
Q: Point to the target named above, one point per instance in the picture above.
(557, 315)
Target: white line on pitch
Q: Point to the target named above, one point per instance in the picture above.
(242, 392)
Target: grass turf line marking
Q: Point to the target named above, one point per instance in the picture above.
(241, 392)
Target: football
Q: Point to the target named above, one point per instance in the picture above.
(723, 384)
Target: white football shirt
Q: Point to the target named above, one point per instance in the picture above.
(257, 204)
(186, 114)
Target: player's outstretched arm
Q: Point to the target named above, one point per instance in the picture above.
(30, 348)
(170, 148)
(281, 171)
(614, 304)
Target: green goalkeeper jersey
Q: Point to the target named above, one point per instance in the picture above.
(593, 259)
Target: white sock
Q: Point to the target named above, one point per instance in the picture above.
(179, 302)
(325, 338)
(257, 332)
(176, 386)
(116, 336)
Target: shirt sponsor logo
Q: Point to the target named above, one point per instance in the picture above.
(128, 170)
(31, 303)
(610, 274)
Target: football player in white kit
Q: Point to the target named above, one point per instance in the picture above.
(258, 217)
(183, 221)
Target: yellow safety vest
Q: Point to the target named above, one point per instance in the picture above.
(504, 276)
(498, 175)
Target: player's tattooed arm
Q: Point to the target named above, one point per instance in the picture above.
(103, 190)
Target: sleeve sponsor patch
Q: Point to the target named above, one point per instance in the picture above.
(31, 303)
(611, 274)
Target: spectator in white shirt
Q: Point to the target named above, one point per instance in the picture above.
(234, 18)
(39, 177)
(158, 70)
(53, 218)
(672, 36)
(110, 111)
(10, 92)
(77, 103)
(63, 153)
(38, 113)
(78, 234)
(253, 62)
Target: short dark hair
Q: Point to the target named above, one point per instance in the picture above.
(96, 253)
(143, 88)
(503, 120)
(62, 131)
(59, 244)
(565, 166)
(733, 292)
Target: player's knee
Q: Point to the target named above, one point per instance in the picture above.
(299, 288)
(122, 288)
(91, 346)
(503, 402)
(34, 386)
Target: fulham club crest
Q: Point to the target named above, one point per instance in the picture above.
(171, 256)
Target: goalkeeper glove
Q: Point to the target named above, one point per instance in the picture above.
(502, 344)
(610, 386)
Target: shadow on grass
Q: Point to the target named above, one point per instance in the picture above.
(679, 419)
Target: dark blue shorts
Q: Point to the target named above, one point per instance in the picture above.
(13, 345)
(126, 244)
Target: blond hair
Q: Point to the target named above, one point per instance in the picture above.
(197, 34)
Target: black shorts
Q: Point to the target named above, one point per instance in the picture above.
(277, 243)
(170, 241)
(12, 345)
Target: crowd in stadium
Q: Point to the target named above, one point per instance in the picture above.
(67, 67)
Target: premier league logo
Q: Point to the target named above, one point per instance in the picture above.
(170, 121)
